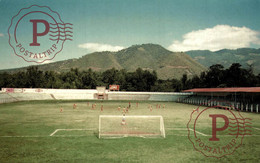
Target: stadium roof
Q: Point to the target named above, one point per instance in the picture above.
(235, 89)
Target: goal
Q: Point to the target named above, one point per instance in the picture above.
(146, 126)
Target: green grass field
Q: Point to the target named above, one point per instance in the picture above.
(25, 129)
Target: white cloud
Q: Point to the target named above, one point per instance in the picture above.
(96, 47)
(1, 35)
(47, 61)
(44, 60)
(216, 38)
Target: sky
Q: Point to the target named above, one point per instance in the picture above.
(111, 25)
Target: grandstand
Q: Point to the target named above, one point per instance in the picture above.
(242, 98)
(27, 94)
(245, 99)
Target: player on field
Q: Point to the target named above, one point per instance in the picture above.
(74, 106)
(123, 120)
(124, 111)
(196, 110)
(151, 108)
(93, 106)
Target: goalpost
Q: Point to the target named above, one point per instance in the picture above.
(146, 126)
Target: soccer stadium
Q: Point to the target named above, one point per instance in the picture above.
(130, 81)
(108, 125)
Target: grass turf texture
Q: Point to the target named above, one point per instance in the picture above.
(25, 129)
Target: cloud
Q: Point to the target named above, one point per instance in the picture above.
(216, 38)
(1, 35)
(47, 62)
(96, 47)
(44, 60)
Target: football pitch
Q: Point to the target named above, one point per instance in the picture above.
(39, 131)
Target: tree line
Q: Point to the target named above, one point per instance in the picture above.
(139, 80)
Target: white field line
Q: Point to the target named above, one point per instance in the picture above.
(182, 129)
(225, 135)
(199, 132)
(69, 135)
(25, 136)
(131, 116)
(54, 132)
(180, 135)
(69, 130)
(206, 134)
(37, 136)
(233, 135)
(256, 128)
(217, 136)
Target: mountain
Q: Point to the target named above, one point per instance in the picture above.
(244, 56)
(150, 57)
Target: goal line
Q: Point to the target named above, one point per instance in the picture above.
(57, 130)
(114, 133)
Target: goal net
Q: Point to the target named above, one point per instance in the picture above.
(116, 126)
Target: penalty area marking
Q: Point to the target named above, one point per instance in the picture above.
(26, 136)
(181, 129)
(256, 128)
(199, 132)
(52, 134)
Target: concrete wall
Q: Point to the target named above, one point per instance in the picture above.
(150, 96)
(24, 94)
(5, 98)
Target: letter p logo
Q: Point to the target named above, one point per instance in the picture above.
(214, 125)
(35, 32)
